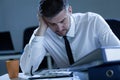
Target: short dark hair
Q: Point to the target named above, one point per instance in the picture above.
(50, 8)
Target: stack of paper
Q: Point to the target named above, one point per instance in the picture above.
(53, 74)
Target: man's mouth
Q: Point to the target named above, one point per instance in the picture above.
(63, 32)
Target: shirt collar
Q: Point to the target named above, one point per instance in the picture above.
(71, 31)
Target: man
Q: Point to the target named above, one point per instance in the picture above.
(85, 33)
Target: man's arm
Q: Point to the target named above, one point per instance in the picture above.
(42, 26)
(34, 52)
(105, 34)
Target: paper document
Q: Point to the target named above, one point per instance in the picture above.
(53, 74)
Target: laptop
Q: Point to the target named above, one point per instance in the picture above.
(6, 44)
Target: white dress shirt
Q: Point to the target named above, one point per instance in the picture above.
(87, 32)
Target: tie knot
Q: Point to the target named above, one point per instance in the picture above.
(64, 37)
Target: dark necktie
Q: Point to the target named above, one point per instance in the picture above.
(68, 50)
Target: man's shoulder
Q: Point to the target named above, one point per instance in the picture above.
(86, 14)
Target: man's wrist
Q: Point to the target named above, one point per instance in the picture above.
(40, 31)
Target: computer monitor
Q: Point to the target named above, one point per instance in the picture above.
(6, 44)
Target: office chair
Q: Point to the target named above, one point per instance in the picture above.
(27, 34)
(115, 26)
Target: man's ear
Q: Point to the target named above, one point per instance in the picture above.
(70, 9)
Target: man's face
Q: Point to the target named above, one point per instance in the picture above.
(60, 23)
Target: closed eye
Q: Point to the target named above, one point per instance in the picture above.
(62, 21)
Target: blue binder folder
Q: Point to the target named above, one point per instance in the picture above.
(110, 71)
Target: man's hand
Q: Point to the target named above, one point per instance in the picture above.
(42, 26)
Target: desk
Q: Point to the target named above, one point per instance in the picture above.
(6, 77)
(3, 58)
(24, 77)
(6, 57)
(17, 56)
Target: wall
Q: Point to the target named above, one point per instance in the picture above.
(16, 15)
(106, 8)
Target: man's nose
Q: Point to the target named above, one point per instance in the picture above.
(59, 26)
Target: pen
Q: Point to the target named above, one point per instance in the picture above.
(31, 71)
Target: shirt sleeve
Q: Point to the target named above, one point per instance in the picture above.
(105, 35)
(33, 54)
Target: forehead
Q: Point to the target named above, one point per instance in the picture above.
(59, 17)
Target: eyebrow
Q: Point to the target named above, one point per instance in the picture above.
(57, 22)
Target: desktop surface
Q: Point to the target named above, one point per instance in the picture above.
(24, 77)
